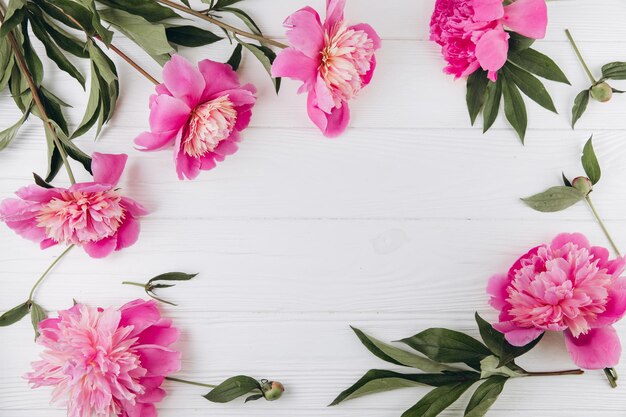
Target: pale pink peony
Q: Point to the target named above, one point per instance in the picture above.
(199, 110)
(471, 32)
(334, 60)
(566, 286)
(93, 215)
(106, 362)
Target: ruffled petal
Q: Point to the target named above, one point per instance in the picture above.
(332, 125)
(599, 348)
(108, 168)
(306, 33)
(563, 239)
(158, 360)
(140, 314)
(334, 12)
(34, 192)
(218, 77)
(496, 288)
(161, 334)
(295, 65)
(615, 306)
(183, 80)
(527, 17)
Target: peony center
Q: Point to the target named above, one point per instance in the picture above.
(209, 124)
(346, 58)
(78, 217)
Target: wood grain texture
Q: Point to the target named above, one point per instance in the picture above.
(394, 227)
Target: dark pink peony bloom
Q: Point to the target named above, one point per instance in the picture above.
(93, 215)
(334, 60)
(566, 286)
(106, 362)
(199, 110)
(471, 32)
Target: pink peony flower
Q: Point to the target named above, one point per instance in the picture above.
(93, 215)
(334, 60)
(199, 110)
(471, 32)
(106, 362)
(566, 286)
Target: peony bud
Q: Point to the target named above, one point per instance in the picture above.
(583, 184)
(602, 92)
(272, 390)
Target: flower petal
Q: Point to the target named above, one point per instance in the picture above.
(134, 208)
(101, 248)
(615, 306)
(218, 77)
(496, 288)
(492, 50)
(517, 336)
(527, 17)
(306, 33)
(128, 233)
(295, 65)
(158, 360)
(332, 125)
(149, 141)
(488, 10)
(563, 239)
(108, 168)
(599, 348)
(168, 114)
(183, 80)
(34, 192)
(334, 12)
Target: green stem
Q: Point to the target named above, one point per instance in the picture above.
(602, 226)
(136, 284)
(580, 56)
(21, 63)
(32, 291)
(223, 25)
(611, 375)
(556, 373)
(198, 384)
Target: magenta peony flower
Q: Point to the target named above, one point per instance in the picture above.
(93, 215)
(471, 32)
(199, 110)
(106, 362)
(334, 60)
(566, 286)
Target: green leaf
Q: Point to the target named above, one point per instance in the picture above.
(492, 104)
(92, 110)
(538, 64)
(266, 56)
(14, 315)
(554, 199)
(518, 42)
(614, 71)
(13, 16)
(173, 276)
(565, 180)
(490, 366)
(433, 403)
(150, 36)
(530, 85)
(7, 68)
(590, 162)
(190, 36)
(233, 388)
(108, 88)
(476, 93)
(8, 135)
(62, 38)
(496, 342)
(148, 9)
(485, 396)
(41, 182)
(35, 67)
(449, 346)
(37, 314)
(580, 105)
(55, 54)
(235, 59)
(105, 34)
(376, 380)
(245, 18)
(70, 13)
(514, 107)
(398, 356)
(224, 3)
(253, 398)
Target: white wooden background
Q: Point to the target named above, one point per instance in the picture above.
(394, 227)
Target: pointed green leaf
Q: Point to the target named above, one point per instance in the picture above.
(266, 56)
(8, 135)
(554, 199)
(37, 314)
(580, 105)
(485, 396)
(35, 67)
(514, 107)
(492, 104)
(14, 315)
(173, 276)
(614, 71)
(191, 36)
(148, 9)
(245, 18)
(449, 346)
(538, 64)
(376, 380)
(92, 110)
(253, 398)
(476, 93)
(235, 58)
(518, 42)
(590, 162)
(436, 401)
(398, 356)
(41, 182)
(14, 16)
(233, 388)
(531, 86)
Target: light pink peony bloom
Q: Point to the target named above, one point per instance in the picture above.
(566, 286)
(334, 60)
(93, 215)
(199, 110)
(471, 32)
(106, 362)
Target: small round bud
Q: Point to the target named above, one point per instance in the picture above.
(602, 92)
(272, 390)
(583, 184)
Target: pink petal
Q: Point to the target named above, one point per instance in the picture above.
(13, 209)
(36, 193)
(488, 10)
(496, 288)
(187, 166)
(148, 141)
(323, 96)
(599, 348)
(226, 147)
(367, 78)
(159, 334)
(108, 168)
(564, 238)
(158, 360)
(527, 17)
(47, 243)
(306, 33)
(332, 125)
(140, 314)
(334, 12)
(218, 77)
(208, 162)
(295, 65)
(239, 96)
(101, 248)
(128, 233)
(244, 114)
(492, 50)
(517, 336)
(615, 305)
(28, 229)
(183, 80)
(134, 208)
(153, 393)
(168, 114)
